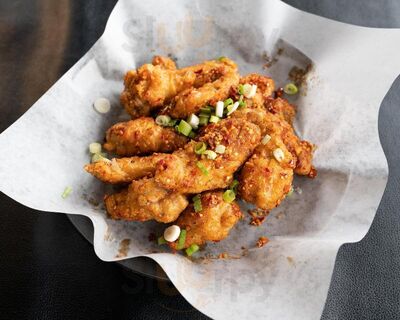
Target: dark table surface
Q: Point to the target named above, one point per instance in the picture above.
(49, 271)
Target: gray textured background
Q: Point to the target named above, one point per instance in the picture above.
(366, 278)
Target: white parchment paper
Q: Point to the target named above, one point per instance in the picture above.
(353, 67)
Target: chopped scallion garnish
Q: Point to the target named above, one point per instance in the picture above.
(200, 147)
(94, 147)
(227, 102)
(290, 89)
(234, 185)
(240, 89)
(220, 149)
(229, 196)
(242, 103)
(66, 193)
(210, 154)
(184, 128)
(290, 191)
(163, 120)
(214, 119)
(219, 109)
(203, 120)
(181, 240)
(206, 110)
(232, 108)
(192, 249)
(99, 157)
(197, 203)
(221, 58)
(161, 240)
(192, 135)
(193, 120)
(202, 168)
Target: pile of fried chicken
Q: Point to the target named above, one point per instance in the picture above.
(161, 169)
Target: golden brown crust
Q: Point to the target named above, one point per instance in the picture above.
(145, 200)
(142, 136)
(282, 108)
(212, 223)
(265, 181)
(124, 170)
(182, 171)
(152, 86)
(302, 151)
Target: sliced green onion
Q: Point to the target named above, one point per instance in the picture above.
(219, 109)
(192, 135)
(66, 193)
(172, 123)
(220, 149)
(203, 120)
(229, 196)
(99, 157)
(193, 120)
(234, 185)
(184, 128)
(161, 240)
(240, 89)
(197, 203)
(242, 103)
(227, 102)
(192, 249)
(202, 168)
(214, 119)
(163, 120)
(290, 191)
(94, 147)
(206, 110)
(232, 108)
(290, 89)
(221, 58)
(181, 240)
(210, 154)
(200, 147)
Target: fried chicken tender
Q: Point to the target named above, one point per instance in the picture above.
(142, 136)
(124, 170)
(145, 200)
(186, 172)
(265, 179)
(302, 151)
(152, 86)
(212, 223)
(215, 80)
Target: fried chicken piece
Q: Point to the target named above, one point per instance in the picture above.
(266, 178)
(186, 172)
(217, 79)
(282, 108)
(152, 86)
(145, 200)
(212, 223)
(302, 151)
(124, 170)
(142, 136)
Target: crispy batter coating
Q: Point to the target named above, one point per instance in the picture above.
(145, 200)
(265, 88)
(217, 79)
(186, 172)
(212, 223)
(265, 181)
(282, 108)
(124, 170)
(154, 85)
(302, 151)
(142, 136)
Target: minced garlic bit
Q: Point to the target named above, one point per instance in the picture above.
(266, 139)
(102, 105)
(249, 90)
(172, 233)
(278, 154)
